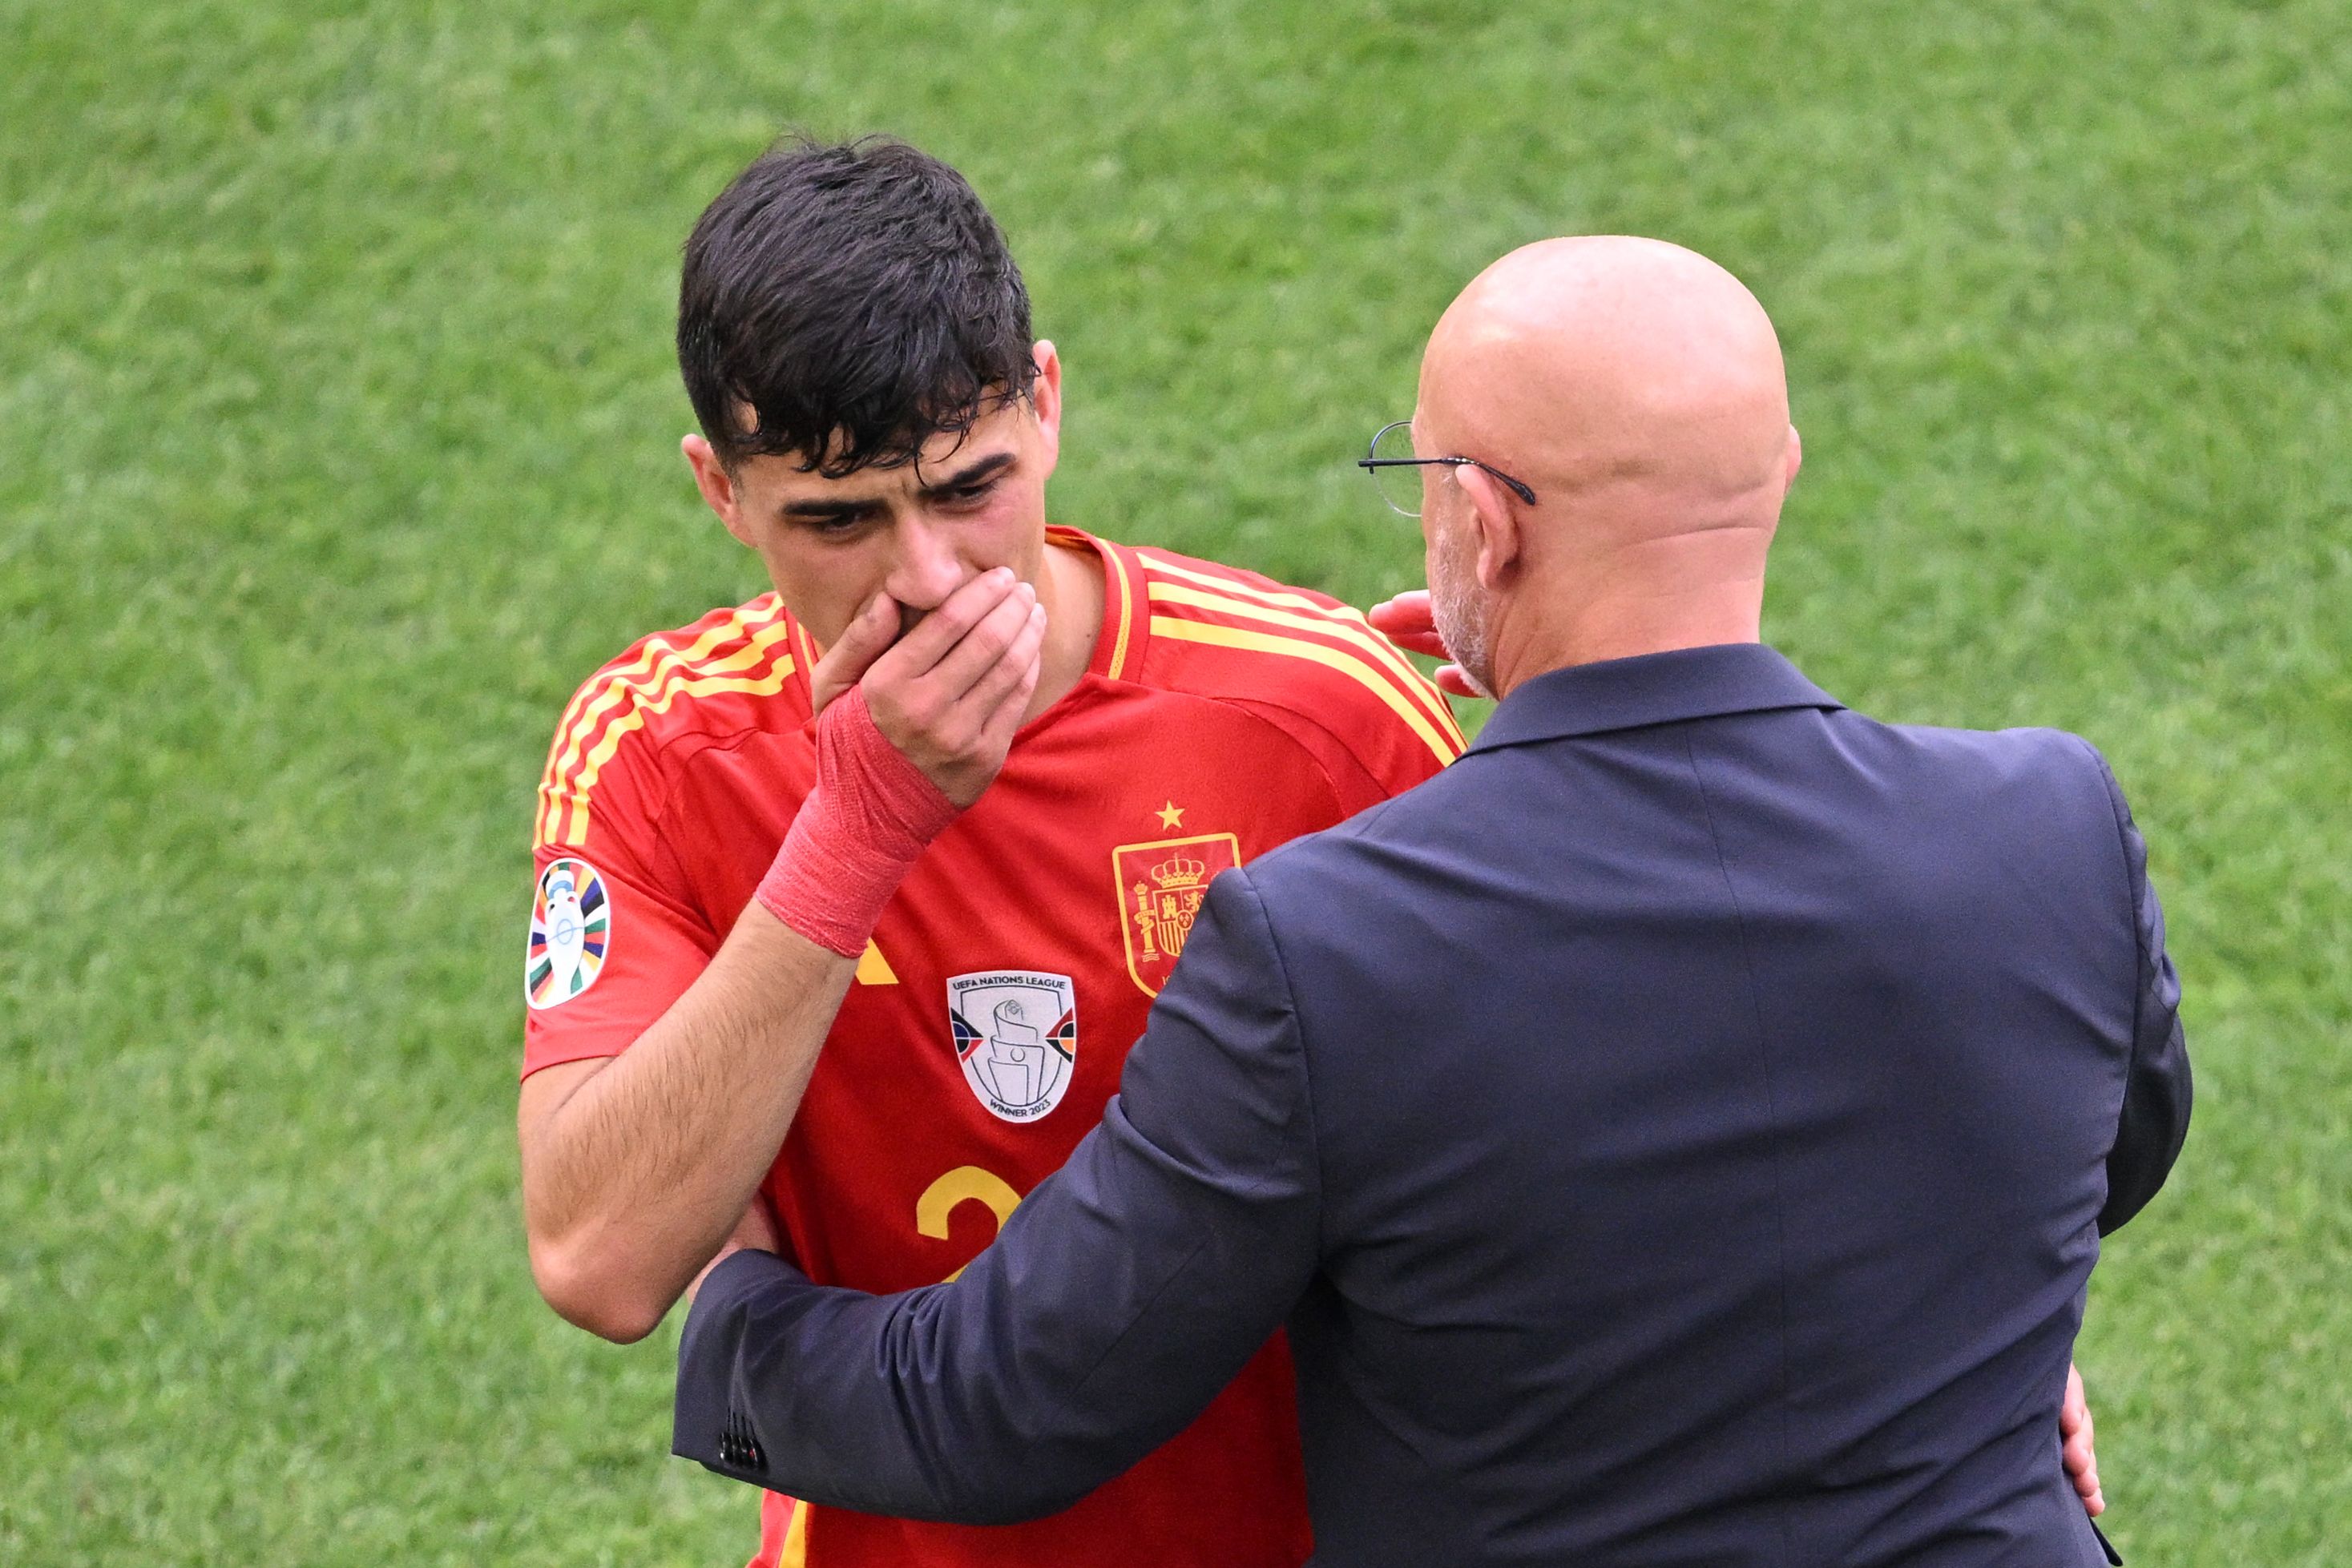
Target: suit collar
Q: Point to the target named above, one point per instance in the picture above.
(1655, 688)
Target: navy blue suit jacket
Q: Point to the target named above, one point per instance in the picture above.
(1679, 1134)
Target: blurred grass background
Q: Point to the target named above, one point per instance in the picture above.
(336, 443)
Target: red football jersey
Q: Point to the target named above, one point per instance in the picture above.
(1221, 715)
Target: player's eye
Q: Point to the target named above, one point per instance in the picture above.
(971, 495)
(834, 524)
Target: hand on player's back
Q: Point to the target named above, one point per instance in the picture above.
(950, 692)
(1408, 622)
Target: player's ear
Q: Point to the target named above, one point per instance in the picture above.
(1495, 516)
(718, 486)
(1046, 398)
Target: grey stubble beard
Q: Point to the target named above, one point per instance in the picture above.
(1458, 606)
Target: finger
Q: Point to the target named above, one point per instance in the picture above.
(2077, 1440)
(1403, 613)
(983, 648)
(1412, 639)
(1450, 678)
(944, 628)
(866, 639)
(1406, 620)
(996, 735)
(1428, 643)
(1000, 703)
(988, 694)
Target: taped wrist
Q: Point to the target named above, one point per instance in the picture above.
(860, 828)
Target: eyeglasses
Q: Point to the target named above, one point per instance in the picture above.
(1392, 456)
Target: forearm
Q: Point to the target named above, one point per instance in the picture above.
(631, 1182)
(634, 1175)
(1124, 1293)
(755, 1310)
(1120, 1297)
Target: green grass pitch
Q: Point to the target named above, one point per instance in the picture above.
(337, 442)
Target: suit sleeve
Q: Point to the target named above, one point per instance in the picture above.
(2157, 1089)
(1125, 1292)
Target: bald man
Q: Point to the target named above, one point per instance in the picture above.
(1680, 1133)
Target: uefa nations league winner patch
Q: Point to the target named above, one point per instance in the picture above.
(571, 929)
(1016, 1038)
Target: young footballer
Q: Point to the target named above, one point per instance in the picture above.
(855, 1025)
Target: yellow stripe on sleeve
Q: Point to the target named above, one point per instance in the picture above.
(1346, 664)
(645, 697)
(1341, 620)
(575, 799)
(658, 660)
(1366, 640)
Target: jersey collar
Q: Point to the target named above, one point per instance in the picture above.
(1119, 646)
(805, 654)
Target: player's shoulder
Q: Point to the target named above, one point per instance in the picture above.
(737, 669)
(1228, 634)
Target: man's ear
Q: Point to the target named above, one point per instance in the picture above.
(718, 487)
(1045, 399)
(1796, 459)
(1492, 512)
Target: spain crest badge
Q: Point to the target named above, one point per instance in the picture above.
(1161, 887)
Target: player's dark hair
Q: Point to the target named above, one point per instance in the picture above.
(854, 299)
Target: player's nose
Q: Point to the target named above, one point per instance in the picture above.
(926, 568)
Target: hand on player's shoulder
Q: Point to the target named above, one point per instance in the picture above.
(1410, 623)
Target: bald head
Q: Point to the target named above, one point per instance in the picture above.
(1637, 388)
(1608, 361)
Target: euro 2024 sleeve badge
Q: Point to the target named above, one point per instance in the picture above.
(571, 928)
(1161, 886)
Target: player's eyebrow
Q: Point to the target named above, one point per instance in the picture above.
(818, 510)
(977, 473)
(824, 511)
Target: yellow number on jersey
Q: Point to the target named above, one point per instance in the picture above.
(965, 1184)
